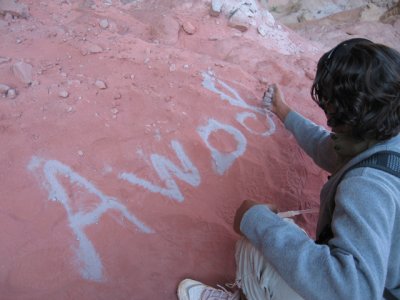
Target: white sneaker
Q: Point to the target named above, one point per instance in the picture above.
(194, 290)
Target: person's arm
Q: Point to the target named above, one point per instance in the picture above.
(313, 139)
(354, 264)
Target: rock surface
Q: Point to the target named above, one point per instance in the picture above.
(119, 189)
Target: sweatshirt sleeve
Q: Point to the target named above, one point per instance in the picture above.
(353, 265)
(313, 139)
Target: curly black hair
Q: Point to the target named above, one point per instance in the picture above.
(359, 81)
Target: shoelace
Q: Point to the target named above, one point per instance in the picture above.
(220, 294)
(236, 284)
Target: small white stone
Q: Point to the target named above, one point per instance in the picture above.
(63, 94)
(104, 23)
(101, 84)
(262, 30)
(11, 93)
(216, 7)
(80, 153)
(172, 68)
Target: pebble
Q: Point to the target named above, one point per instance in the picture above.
(216, 7)
(172, 68)
(100, 84)
(23, 71)
(4, 59)
(11, 93)
(104, 23)
(189, 28)
(238, 24)
(262, 30)
(63, 94)
(91, 49)
(4, 88)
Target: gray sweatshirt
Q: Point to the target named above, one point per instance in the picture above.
(363, 257)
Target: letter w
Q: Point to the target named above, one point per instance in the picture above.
(165, 169)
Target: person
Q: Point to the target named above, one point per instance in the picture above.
(357, 251)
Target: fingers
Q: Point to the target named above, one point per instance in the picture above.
(274, 101)
(268, 97)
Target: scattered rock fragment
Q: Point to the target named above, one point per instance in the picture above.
(100, 84)
(16, 10)
(63, 94)
(240, 21)
(372, 12)
(11, 93)
(91, 49)
(104, 23)
(4, 89)
(189, 28)
(23, 71)
(216, 8)
(95, 49)
(172, 68)
(4, 60)
(263, 80)
(262, 30)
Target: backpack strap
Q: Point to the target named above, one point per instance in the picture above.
(387, 161)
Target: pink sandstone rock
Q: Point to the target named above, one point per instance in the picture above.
(121, 193)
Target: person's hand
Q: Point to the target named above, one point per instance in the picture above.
(243, 208)
(274, 101)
